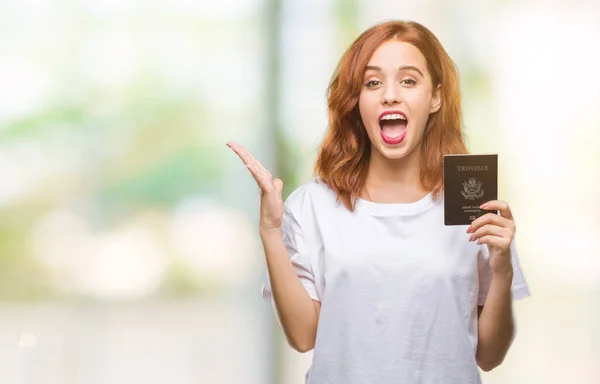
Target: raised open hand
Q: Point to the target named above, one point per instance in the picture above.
(271, 202)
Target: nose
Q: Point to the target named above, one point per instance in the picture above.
(391, 94)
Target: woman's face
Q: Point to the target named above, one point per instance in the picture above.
(396, 99)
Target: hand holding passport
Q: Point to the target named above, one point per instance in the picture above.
(469, 181)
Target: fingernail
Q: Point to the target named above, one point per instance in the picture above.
(483, 206)
(469, 229)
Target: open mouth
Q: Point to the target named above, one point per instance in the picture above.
(393, 127)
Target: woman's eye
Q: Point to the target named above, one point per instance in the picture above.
(409, 81)
(372, 83)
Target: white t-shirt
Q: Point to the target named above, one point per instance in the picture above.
(398, 289)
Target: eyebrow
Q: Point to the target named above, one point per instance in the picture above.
(403, 68)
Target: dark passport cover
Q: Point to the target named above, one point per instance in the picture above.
(469, 181)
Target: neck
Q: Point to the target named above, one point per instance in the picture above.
(394, 180)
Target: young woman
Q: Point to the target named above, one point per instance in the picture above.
(360, 264)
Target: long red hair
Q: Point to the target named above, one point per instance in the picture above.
(343, 159)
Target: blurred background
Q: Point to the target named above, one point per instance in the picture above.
(129, 248)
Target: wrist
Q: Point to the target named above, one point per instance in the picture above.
(503, 275)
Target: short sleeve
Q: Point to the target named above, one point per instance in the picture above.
(296, 245)
(520, 289)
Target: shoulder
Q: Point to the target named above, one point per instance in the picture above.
(314, 191)
(310, 199)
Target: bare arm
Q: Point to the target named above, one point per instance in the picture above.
(496, 326)
(298, 313)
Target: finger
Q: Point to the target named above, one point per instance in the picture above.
(278, 185)
(250, 160)
(489, 218)
(491, 230)
(264, 184)
(262, 176)
(243, 154)
(266, 174)
(260, 169)
(498, 205)
(494, 241)
(237, 149)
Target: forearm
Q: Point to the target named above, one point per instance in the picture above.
(496, 325)
(296, 309)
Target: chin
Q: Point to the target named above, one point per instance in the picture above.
(394, 153)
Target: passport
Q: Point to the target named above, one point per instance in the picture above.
(469, 181)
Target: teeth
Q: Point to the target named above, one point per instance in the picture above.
(395, 116)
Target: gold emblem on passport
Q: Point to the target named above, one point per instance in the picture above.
(472, 189)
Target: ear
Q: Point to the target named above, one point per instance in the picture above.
(436, 100)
